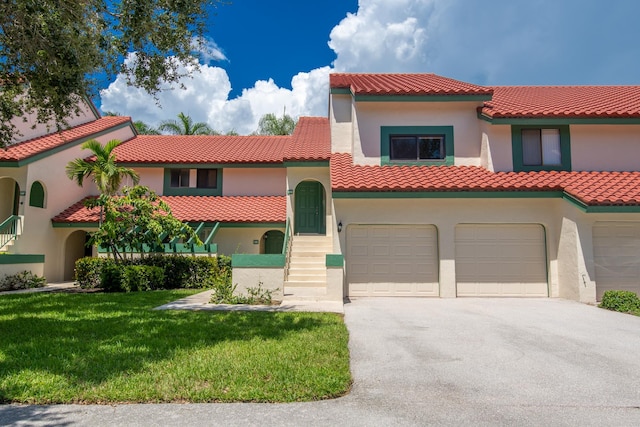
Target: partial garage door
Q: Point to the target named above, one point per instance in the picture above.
(392, 260)
(502, 260)
(616, 253)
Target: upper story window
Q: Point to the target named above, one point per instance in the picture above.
(419, 145)
(179, 178)
(538, 148)
(541, 147)
(192, 182)
(207, 178)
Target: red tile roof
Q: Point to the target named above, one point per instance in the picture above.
(404, 84)
(31, 147)
(564, 102)
(591, 188)
(311, 140)
(198, 149)
(234, 209)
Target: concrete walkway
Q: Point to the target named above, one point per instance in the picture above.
(451, 362)
(49, 287)
(201, 300)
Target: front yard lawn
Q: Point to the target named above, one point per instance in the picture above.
(107, 348)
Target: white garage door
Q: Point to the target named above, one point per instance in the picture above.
(392, 260)
(507, 260)
(616, 253)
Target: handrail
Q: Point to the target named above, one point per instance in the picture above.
(286, 249)
(9, 230)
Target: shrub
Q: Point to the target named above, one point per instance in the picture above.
(623, 301)
(88, 271)
(173, 272)
(223, 293)
(141, 278)
(23, 280)
(111, 277)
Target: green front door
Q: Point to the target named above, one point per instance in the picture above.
(273, 242)
(309, 205)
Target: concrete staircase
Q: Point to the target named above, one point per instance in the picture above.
(307, 279)
(7, 241)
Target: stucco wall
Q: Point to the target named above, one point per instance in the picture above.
(254, 181)
(270, 278)
(30, 128)
(498, 151)
(605, 147)
(152, 178)
(370, 116)
(340, 116)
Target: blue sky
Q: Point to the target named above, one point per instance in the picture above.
(266, 56)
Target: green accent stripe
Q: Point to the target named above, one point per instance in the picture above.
(21, 259)
(334, 260)
(64, 146)
(421, 98)
(74, 224)
(257, 260)
(340, 91)
(321, 163)
(256, 165)
(446, 194)
(541, 121)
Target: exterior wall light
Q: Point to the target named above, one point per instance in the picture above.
(290, 191)
(339, 226)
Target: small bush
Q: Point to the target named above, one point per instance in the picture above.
(141, 278)
(224, 293)
(623, 301)
(23, 280)
(88, 270)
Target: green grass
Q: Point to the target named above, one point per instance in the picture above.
(107, 348)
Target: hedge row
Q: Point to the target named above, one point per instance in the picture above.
(154, 272)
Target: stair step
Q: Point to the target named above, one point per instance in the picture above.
(304, 284)
(308, 292)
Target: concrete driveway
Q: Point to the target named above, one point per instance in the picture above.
(440, 362)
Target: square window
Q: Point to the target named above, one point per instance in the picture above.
(179, 178)
(541, 147)
(417, 147)
(207, 178)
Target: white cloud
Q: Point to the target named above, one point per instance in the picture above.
(384, 36)
(208, 50)
(206, 99)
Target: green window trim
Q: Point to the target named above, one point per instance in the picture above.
(387, 131)
(37, 195)
(517, 152)
(168, 190)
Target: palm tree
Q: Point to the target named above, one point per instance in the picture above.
(106, 174)
(185, 126)
(271, 125)
(144, 129)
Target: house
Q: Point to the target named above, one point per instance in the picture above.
(415, 185)
(444, 188)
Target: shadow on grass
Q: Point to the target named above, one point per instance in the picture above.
(87, 339)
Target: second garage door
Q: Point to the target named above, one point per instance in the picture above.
(392, 260)
(501, 260)
(616, 253)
